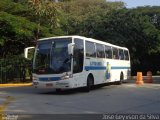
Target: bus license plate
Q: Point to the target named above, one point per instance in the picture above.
(49, 85)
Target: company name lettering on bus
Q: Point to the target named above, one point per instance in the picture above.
(95, 64)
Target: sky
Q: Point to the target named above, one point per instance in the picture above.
(135, 3)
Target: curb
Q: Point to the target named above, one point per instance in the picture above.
(16, 85)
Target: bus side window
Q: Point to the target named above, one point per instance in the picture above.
(121, 54)
(108, 52)
(126, 55)
(90, 49)
(78, 56)
(115, 53)
(100, 51)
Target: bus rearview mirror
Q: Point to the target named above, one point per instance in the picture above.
(28, 52)
(70, 48)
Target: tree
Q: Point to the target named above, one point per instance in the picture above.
(78, 12)
(16, 32)
(44, 11)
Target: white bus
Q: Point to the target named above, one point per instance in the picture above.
(74, 61)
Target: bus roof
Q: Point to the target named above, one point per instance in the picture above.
(85, 38)
(74, 36)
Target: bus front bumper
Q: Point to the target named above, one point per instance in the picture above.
(53, 84)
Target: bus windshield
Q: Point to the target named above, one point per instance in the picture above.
(51, 56)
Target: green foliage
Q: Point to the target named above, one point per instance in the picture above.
(16, 32)
(11, 67)
(14, 8)
(19, 26)
(18, 29)
(78, 12)
(45, 11)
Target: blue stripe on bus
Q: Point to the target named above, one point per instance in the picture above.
(116, 67)
(86, 68)
(95, 68)
(49, 78)
(103, 67)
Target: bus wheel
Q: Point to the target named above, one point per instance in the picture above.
(58, 90)
(121, 79)
(90, 83)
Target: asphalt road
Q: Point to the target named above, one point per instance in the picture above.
(128, 98)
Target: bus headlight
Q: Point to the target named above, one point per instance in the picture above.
(34, 78)
(66, 77)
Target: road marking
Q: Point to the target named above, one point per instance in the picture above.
(16, 85)
(4, 105)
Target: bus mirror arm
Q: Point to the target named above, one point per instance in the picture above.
(70, 48)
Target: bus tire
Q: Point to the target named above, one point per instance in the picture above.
(90, 83)
(121, 79)
(58, 90)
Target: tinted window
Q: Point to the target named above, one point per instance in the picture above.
(51, 56)
(90, 49)
(115, 53)
(121, 54)
(78, 56)
(108, 52)
(126, 54)
(100, 51)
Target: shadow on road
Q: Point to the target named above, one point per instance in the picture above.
(34, 91)
(78, 90)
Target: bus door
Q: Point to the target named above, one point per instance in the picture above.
(78, 61)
